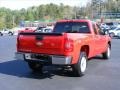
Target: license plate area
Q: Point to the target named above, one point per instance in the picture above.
(28, 56)
(43, 59)
(40, 56)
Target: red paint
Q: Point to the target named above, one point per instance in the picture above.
(68, 44)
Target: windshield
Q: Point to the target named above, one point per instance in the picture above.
(109, 23)
(118, 29)
(72, 27)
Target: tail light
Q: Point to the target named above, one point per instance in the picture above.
(68, 45)
(17, 44)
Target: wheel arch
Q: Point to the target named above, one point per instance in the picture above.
(86, 49)
(109, 43)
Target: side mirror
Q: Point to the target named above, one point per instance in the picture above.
(105, 32)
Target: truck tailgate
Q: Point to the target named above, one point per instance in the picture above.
(45, 43)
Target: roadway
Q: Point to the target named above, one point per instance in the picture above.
(15, 74)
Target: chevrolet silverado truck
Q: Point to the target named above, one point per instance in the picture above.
(72, 43)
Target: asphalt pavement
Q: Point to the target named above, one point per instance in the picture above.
(15, 74)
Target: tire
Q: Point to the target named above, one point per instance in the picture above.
(107, 53)
(80, 68)
(35, 66)
(10, 33)
(112, 35)
(118, 37)
(1, 34)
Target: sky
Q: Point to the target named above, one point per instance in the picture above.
(19, 4)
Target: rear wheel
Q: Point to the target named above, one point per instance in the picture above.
(107, 53)
(35, 66)
(118, 37)
(80, 68)
(10, 33)
(112, 35)
(1, 34)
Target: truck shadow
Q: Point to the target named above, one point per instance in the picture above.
(20, 69)
(98, 57)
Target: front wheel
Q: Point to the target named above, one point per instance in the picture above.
(107, 53)
(118, 37)
(10, 33)
(112, 35)
(1, 34)
(80, 68)
(35, 66)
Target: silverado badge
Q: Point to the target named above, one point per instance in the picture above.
(39, 43)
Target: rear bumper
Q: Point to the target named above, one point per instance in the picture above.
(54, 59)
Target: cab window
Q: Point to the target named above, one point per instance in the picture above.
(100, 31)
(95, 30)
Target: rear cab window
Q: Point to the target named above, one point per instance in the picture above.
(72, 27)
(97, 29)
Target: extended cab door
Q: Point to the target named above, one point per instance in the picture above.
(100, 39)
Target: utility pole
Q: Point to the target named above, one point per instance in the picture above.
(13, 20)
(101, 5)
(117, 6)
(94, 8)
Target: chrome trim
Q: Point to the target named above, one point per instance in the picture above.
(19, 56)
(61, 60)
(58, 60)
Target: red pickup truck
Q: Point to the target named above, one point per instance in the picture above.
(71, 43)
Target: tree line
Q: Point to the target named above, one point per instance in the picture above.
(11, 18)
